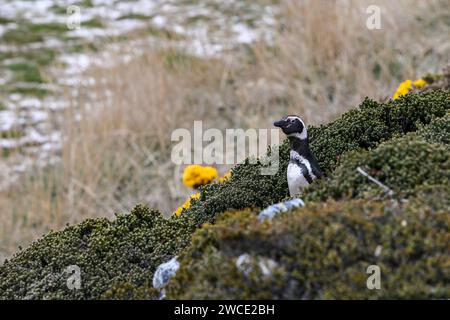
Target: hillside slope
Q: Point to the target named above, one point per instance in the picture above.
(320, 251)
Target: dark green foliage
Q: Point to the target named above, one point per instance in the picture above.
(401, 164)
(93, 23)
(128, 291)
(126, 250)
(33, 32)
(26, 72)
(246, 188)
(4, 20)
(435, 196)
(321, 252)
(373, 122)
(357, 129)
(13, 133)
(438, 131)
(34, 91)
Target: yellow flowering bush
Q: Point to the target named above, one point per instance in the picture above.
(403, 88)
(419, 83)
(187, 204)
(407, 86)
(225, 177)
(197, 175)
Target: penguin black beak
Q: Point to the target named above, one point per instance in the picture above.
(279, 123)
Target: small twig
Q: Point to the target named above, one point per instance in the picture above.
(383, 186)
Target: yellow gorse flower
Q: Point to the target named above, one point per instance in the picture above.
(407, 85)
(197, 175)
(419, 83)
(187, 204)
(225, 177)
(403, 88)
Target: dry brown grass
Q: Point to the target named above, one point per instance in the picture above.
(323, 61)
(327, 60)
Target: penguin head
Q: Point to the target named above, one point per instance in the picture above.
(292, 126)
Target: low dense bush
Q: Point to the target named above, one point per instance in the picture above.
(358, 129)
(374, 122)
(402, 164)
(117, 258)
(126, 250)
(320, 252)
(438, 131)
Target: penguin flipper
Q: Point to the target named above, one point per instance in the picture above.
(318, 173)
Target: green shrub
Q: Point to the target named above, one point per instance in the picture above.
(246, 188)
(438, 131)
(374, 122)
(117, 258)
(128, 291)
(402, 164)
(320, 252)
(361, 128)
(126, 250)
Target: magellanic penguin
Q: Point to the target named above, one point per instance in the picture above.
(303, 167)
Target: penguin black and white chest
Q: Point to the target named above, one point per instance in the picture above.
(303, 167)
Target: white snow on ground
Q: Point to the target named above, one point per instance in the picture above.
(204, 29)
(76, 62)
(30, 103)
(7, 120)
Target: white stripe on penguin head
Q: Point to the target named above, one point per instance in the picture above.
(300, 135)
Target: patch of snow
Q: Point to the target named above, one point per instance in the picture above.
(165, 272)
(244, 33)
(30, 103)
(37, 116)
(75, 62)
(204, 38)
(159, 21)
(7, 120)
(270, 212)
